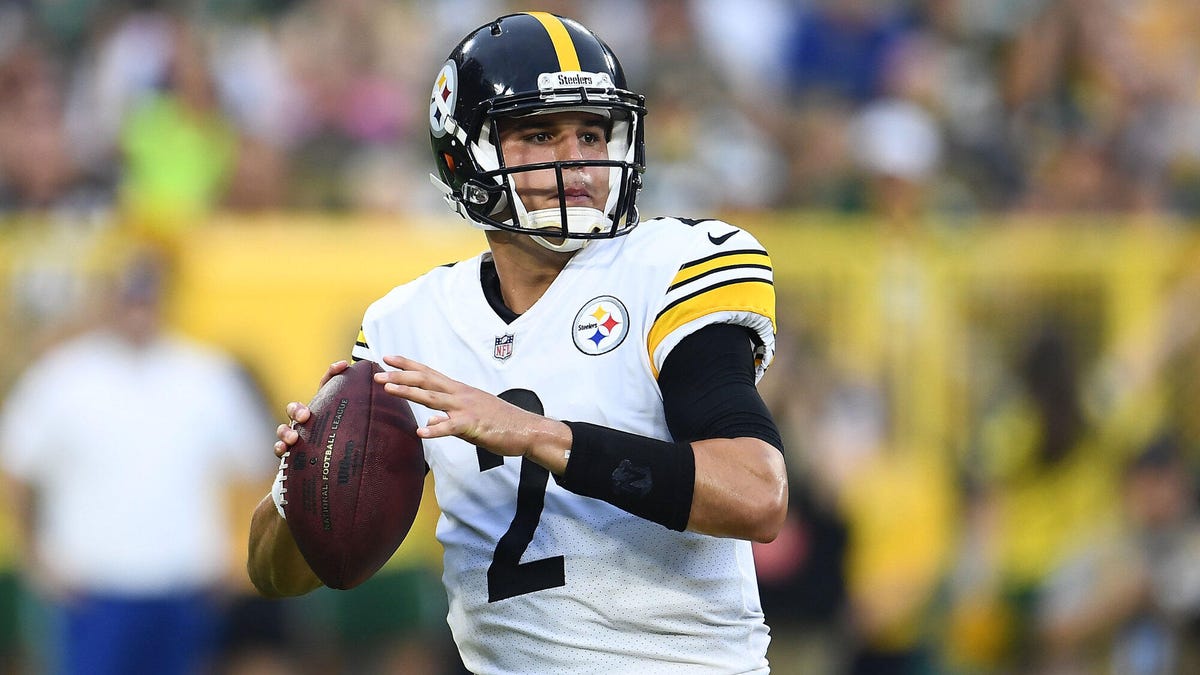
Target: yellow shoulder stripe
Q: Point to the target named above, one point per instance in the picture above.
(744, 295)
(733, 259)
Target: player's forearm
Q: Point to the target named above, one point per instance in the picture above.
(723, 487)
(548, 442)
(741, 489)
(276, 567)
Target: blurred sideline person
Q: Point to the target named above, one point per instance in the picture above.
(1130, 602)
(119, 446)
(601, 455)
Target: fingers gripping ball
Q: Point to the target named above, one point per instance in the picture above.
(354, 478)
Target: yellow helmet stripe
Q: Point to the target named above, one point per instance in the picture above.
(568, 58)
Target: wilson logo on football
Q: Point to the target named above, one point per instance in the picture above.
(600, 326)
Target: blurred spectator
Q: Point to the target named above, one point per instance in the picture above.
(119, 448)
(710, 151)
(839, 48)
(820, 164)
(871, 525)
(747, 55)
(127, 58)
(898, 506)
(362, 69)
(1131, 603)
(1047, 488)
(1050, 106)
(38, 170)
(898, 146)
(802, 581)
(261, 98)
(178, 147)
(802, 574)
(13, 654)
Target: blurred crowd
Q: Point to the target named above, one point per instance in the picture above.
(166, 109)
(1055, 532)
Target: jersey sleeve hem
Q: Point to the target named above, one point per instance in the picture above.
(760, 324)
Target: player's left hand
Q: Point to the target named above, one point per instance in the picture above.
(467, 413)
(298, 413)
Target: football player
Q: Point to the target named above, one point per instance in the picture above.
(601, 456)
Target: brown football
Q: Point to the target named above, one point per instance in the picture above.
(354, 478)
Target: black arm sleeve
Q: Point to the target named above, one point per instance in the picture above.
(707, 384)
(708, 391)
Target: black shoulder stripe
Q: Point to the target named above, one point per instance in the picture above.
(714, 270)
(740, 251)
(706, 289)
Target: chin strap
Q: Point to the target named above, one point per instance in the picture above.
(567, 245)
(580, 219)
(448, 196)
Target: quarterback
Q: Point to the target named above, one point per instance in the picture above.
(601, 456)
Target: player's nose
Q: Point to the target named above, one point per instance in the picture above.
(569, 147)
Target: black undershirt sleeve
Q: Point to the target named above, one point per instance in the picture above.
(707, 384)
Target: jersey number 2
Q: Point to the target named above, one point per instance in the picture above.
(508, 576)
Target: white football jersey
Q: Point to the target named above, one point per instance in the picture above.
(541, 579)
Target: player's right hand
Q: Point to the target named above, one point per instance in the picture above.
(298, 413)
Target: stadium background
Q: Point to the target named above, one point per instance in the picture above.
(950, 189)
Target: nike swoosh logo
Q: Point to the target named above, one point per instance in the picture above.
(723, 238)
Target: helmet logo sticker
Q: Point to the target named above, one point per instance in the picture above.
(443, 98)
(600, 326)
(573, 79)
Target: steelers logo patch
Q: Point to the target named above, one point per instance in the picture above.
(443, 98)
(600, 326)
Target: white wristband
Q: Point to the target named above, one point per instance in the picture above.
(277, 488)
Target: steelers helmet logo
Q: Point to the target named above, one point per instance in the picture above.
(600, 326)
(443, 98)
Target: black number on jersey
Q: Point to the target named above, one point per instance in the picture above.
(507, 575)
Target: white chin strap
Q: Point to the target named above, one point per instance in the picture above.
(580, 219)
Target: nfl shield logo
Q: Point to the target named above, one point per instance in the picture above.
(504, 346)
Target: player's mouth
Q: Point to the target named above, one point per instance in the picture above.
(577, 196)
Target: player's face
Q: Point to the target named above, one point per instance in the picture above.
(562, 136)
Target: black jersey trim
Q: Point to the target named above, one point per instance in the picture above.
(722, 254)
(714, 270)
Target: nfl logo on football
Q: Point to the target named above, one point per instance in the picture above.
(504, 346)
